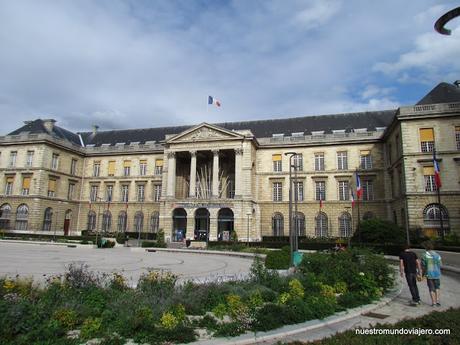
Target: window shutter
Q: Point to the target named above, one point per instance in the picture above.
(127, 164)
(426, 134)
(276, 157)
(9, 179)
(159, 163)
(111, 167)
(427, 171)
(52, 185)
(365, 152)
(26, 183)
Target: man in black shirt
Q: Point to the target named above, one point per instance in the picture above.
(409, 264)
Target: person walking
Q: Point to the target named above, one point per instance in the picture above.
(431, 265)
(409, 265)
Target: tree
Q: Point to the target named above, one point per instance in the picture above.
(380, 231)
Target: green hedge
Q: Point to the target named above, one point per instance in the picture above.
(278, 259)
(152, 244)
(49, 237)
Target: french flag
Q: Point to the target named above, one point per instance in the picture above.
(437, 176)
(212, 100)
(359, 191)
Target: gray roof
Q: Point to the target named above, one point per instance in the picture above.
(37, 127)
(442, 93)
(260, 128)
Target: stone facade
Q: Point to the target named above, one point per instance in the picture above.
(211, 178)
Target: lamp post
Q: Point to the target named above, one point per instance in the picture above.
(347, 208)
(291, 231)
(248, 214)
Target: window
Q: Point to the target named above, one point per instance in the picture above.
(96, 168)
(298, 162)
(278, 224)
(109, 193)
(298, 191)
(126, 168)
(154, 222)
(125, 193)
(91, 221)
(30, 158)
(47, 219)
(432, 219)
(122, 221)
(22, 216)
(13, 157)
(138, 221)
(430, 183)
(320, 190)
(5, 216)
(368, 190)
(158, 167)
(342, 160)
(55, 161)
(277, 191)
(321, 229)
(344, 192)
(457, 136)
(52, 187)
(9, 185)
(106, 221)
(71, 191)
(345, 225)
(140, 192)
(426, 139)
(25, 185)
(277, 163)
(366, 160)
(111, 170)
(143, 167)
(73, 167)
(319, 161)
(156, 192)
(93, 193)
(299, 223)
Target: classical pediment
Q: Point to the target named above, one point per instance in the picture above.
(204, 132)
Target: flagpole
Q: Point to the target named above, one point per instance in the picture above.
(438, 192)
(358, 228)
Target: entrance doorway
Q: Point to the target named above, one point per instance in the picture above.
(224, 224)
(201, 224)
(67, 220)
(179, 224)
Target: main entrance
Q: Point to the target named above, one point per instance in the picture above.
(224, 224)
(179, 224)
(201, 224)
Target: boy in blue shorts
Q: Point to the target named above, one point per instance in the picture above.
(431, 265)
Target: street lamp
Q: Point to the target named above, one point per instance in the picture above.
(247, 239)
(291, 230)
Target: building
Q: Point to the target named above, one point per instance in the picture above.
(215, 178)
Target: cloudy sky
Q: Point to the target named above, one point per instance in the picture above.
(134, 63)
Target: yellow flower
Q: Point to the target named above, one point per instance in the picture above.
(9, 285)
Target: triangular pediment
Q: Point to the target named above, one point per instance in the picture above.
(205, 132)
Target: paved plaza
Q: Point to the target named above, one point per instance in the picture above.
(39, 261)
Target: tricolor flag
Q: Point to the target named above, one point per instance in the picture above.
(437, 176)
(212, 100)
(352, 199)
(359, 191)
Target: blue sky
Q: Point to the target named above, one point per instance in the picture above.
(129, 64)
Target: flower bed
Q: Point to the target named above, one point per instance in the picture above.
(82, 305)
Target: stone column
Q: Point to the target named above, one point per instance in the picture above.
(215, 174)
(238, 172)
(171, 191)
(192, 192)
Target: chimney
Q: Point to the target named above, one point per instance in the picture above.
(95, 128)
(49, 124)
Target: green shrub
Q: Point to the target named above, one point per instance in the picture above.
(91, 328)
(161, 239)
(380, 231)
(67, 318)
(268, 317)
(120, 238)
(278, 259)
(105, 243)
(152, 244)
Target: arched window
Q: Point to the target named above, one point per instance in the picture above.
(432, 219)
(278, 224)
(138, 221)
(22, 215)
(47, 219)
(154, 222)
(91, 226)
(368, 215)
(299, 222)
(122, 221)
(321, 229)
(345, 225)
(5, 216)
(106, 221)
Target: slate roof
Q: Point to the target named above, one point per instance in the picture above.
(37, 127)
(260, 128)
(442, 93)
